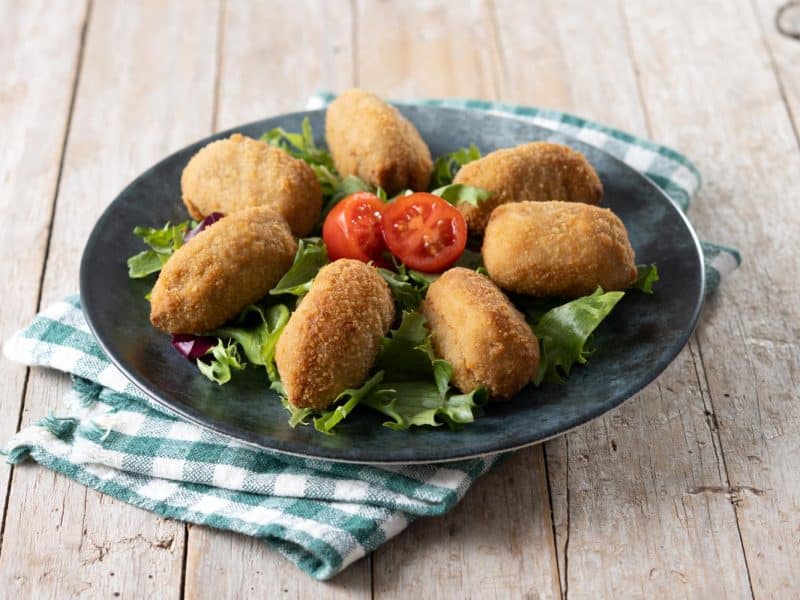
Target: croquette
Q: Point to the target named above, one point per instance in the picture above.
(372, 140)
(230, 175)
(557, 249)
(332, 340)
(225, 267)
(538, 171)
(477, 329)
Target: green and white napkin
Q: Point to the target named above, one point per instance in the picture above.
(321, 515)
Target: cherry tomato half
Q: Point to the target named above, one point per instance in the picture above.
(353, 229)
(424, 231)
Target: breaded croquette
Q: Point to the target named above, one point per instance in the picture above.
(538, 171)
(477, 329)
(557, 249)
(372, 140)
(332, 340)
(225, 267)
(229, 175)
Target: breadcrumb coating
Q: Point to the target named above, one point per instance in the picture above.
(477, 329)
(372, 140)
(538, 171)
(225, 267)
(557, 249)
(332, 340)
(239, 172)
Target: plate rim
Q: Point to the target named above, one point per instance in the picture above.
(289, 448)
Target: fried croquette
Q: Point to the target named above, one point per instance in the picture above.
(372, 140)
(477, 329)
(557, 249)
(332, 340)
(225, 267)
(538, 171)
(230, 175)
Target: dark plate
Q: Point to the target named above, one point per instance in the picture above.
(634, 345)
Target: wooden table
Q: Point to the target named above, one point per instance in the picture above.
(689, 489)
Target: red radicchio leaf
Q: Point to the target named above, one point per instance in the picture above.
(191, 346)
(207, 222)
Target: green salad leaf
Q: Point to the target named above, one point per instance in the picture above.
(258, 340)
(408, 286)
(564, 330)
(344, 404)
(300, 145)
(225, 358)
(162, 243)
(311, 256)
(646, 277)
(446, 166)
(416, 403)
(459, 193)
(343, 188)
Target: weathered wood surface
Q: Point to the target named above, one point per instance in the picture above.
(689, 489)
(140, 65)
(39, 50)
(732, 118)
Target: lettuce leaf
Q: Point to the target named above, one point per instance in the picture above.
(416, 403)
(162, 243)
(224, 358)
(300, 145)
(343, 188)
(446, 166)
(459, 193)
(647, 276)
(344, 404)
(564, 330)
(258, 341)
(310, 258)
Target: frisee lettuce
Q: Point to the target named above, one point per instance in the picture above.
(564, 330)
(162, 243)
(647, 275)
(258, 341)
(446, 166)
(224, 358)
(300, 145)
(311, 256)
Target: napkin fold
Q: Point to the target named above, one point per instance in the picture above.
(321, 515)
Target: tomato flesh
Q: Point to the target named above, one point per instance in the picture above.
(424, 231)
(353, 229)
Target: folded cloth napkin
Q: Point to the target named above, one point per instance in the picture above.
(321, 515)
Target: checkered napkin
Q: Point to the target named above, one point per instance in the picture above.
(320, 515)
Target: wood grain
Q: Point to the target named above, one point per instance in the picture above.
(273, 57)
(732, 117)
(142, 66)
(39, 50)
(498, 543)
(784, 54)
(627, 516)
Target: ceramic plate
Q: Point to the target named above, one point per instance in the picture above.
(635, 343)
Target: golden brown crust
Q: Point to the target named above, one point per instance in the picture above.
(240, 172)
(372, 140)
(477, 329)
(332, 340)
(557, 249)
(539, 171)
(225, 267)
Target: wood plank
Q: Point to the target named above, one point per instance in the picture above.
(733, 120)
(142, 66)
(784, 51)
(499, 541)
(627, 514)
(39, 48)
(273, 56)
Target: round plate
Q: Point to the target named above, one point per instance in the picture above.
(635, 343)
